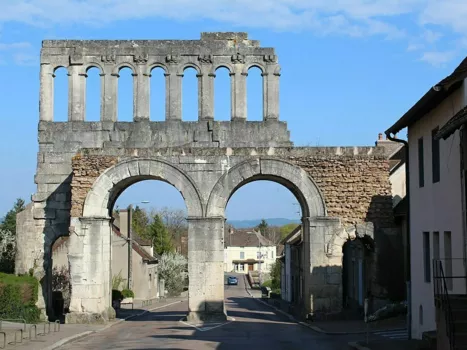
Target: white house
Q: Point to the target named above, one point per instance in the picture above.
(436, 199)
(248, 250)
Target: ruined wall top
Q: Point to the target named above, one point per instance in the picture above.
(230, 50)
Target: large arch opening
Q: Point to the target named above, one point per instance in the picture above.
(104, 234)
(306, 241)
(259, 215)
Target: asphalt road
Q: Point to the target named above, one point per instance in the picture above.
(251, 325)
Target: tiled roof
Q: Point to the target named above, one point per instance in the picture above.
(432, 98)
(245, 238)
(453, 124)
(136, 247)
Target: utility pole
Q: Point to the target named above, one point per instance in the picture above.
(130, 246)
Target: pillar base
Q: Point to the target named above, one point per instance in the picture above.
(90, 318)
(200, 317)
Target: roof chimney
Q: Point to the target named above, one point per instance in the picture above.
(380, 136)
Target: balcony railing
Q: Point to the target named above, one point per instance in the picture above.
(446, 273)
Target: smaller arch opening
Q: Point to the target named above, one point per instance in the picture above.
(93, 94)
(157, 94)
(125, 94)
(190, 109)
(61, 80)
(222, 94)
(255, 94)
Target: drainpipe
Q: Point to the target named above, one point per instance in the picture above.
(407, 198)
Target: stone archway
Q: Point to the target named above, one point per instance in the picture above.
(316, 226)
(294, 178)
(90, 235)
(110, 184)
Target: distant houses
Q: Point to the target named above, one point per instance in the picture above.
(247, 250)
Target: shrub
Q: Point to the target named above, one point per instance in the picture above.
(267, 283)
(18, 296)
(61, 283)
(173, 270)
(116, 295)
(128, 293)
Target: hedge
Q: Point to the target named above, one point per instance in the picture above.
(18, 297)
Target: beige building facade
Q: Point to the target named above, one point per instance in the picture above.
(248, 250)
(436, 192)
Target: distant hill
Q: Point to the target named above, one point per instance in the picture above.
(255, 222)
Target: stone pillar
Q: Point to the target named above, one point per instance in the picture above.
(206, 269)
(271, 95)
(173, 95)
(141, 98)
(76, 93)
(89, 257)
(238, 91)
(46, 98)
(323, 275)
(206, 93)
(110, 97)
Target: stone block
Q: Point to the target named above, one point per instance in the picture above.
(41, 213)
(334, 278)
(144, 167)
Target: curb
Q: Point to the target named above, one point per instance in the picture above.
(315, 328)
(69, 340)
(357, 346)
(87, 333)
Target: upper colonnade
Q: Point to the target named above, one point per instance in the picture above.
(233, 51)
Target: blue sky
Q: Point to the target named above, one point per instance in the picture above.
(350, 68)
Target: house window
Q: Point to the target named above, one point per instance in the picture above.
(448, 259)
(242, 255)
(435, 166)
(426, 256)
(435, 245)
(240, 267)
(421, 170)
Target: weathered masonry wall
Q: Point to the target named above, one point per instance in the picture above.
(356, 187)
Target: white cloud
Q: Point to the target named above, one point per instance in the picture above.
(438, 58)
(427, 20)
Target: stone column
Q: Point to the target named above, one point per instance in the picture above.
(323, 274)
(206, 93)
(46, 98)
(238, 91)
(141, 98)
(206, 269)
(109, 97)
(173, 95)
(76, 93)
(271, 94)
(89, 257)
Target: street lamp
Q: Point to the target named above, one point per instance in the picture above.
(130, 243)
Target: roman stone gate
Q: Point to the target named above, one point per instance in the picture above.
(83, 167)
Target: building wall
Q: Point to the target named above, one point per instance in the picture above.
(436, 207)
(144, 275)
(398, 187)
(233, 253)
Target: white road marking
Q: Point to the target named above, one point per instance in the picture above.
(207, 328)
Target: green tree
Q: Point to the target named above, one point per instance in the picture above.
(9, 221)
(157, 232)
(140, 221)
(276, 275)
(286, 229)
(263, 227)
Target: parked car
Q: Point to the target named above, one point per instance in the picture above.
(232, 280)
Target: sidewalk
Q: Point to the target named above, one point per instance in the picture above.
(71, 332)
(391, 345)
(357, 326)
